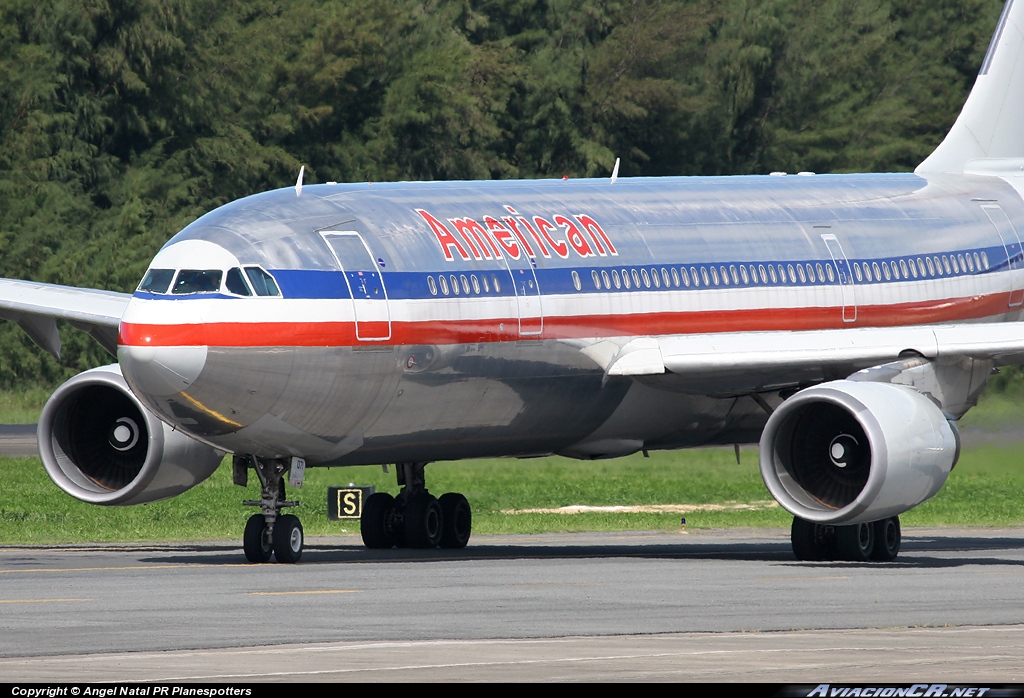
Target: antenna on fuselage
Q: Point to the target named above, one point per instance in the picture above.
(615, 171)
(298, 182)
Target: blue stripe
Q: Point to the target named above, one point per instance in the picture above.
(330, 285)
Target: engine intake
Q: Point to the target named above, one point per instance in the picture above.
(850, 452)
(99, 444)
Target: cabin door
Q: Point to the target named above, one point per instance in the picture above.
(1014, 255)
(524, 281)
(365, 284)
(841, 265)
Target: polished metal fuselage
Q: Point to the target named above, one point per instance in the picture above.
(341, 378)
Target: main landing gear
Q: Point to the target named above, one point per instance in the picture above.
(269, 532)
(415, 518)
(877, 541)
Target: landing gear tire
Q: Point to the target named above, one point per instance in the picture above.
(254, 541)
(813, 542)
(856, 543)
(288, 539)
(456, 520)
(887, 539)
(377, 523)
(423, 521)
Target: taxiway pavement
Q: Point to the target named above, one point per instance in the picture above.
(703, 606)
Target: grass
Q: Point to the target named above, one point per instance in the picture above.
(985, 489)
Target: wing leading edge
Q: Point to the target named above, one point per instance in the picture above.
(36, 308)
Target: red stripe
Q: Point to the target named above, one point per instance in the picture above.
(329, 334)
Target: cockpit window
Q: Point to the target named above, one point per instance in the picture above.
(235, 283)
(197, 281)
(262, 282)
(157, 281)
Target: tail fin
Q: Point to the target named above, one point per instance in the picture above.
(991, 124)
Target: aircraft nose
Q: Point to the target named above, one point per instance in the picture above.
(161, 371)
(153, 358)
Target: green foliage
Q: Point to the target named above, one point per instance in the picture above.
(121, 122)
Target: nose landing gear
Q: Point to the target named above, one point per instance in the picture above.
(415, 519)
(269, 533)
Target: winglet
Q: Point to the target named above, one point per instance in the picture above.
(989, 126)
(298, 182)
(615, 171)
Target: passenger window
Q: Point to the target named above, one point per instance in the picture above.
(803, 275)
(606, 279)
(235, 283)
(647, 278)
(856, 271)
(597, 278)
(444, 284)
(655, 279)
(675, 277)
(465, 284)
(475, 283)
(984, 259)
(575, 281)
(262, 282)
(455, 284)
(615, 278)
(625, 278)
(157, 281)
(432, 285)
(197, 281)
(497, 284)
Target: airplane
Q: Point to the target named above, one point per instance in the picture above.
(844, 322)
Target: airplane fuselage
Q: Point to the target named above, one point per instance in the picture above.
(438, 321)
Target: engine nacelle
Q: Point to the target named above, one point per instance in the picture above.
(100, 445)
(850, 452)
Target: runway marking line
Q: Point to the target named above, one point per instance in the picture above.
(312, 591)
(803, 579)
(103, 569)
(524, 662)
(582, 583)
(41, 600)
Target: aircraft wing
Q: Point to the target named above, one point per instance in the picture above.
(36, 308)
(756, 361)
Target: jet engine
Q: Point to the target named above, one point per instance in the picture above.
(100, 445)
(850, 452)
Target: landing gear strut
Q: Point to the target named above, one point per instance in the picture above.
(269, 533)
(877, 540)
(415, 518)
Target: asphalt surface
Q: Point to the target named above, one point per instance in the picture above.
(703, 606)
(709, 606)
